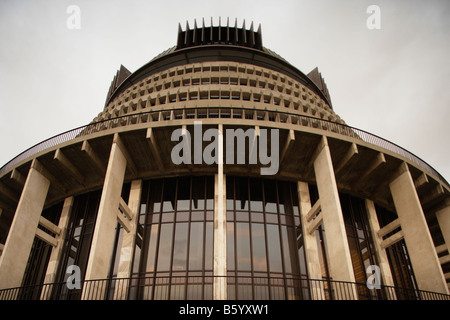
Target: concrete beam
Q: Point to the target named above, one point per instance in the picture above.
(66, 163)
(55, 256)
(396, 237)
(8, 193)
(49, 225)
(445, 259)
(310, 242)
(125, 209)
(124, 222)
(374, 164)
(105, 225)
(314, 224)
(338, 252)
(389, 228)
(130, 163)
(87, 148)
(443, 218)
(44, 236)
(14, 258)
(424, 260)
(37, 165)
(220, 227)
(380, 252)
(129, 239)
(421, 180)
(17, 177)
(435, 193)
(349, 155)
(313, 211)
(154, 148)
(442, 248)
(287, 145)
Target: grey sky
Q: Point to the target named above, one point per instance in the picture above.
(392, 82)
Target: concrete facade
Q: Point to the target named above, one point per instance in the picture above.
(129, 142)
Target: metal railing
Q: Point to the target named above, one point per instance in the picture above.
(201, 287)
(222, 112)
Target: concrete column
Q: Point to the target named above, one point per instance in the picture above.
(443, 218)
(338, 252)
(128, 243)
(422, 252)
(310, 243)
(14, 258)
(380, 252)
(105, 225)
(220, 227)
(55, 256)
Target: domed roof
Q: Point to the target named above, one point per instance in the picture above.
(218, 43)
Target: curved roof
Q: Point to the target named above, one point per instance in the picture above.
(218, 43)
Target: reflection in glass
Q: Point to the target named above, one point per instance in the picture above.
(243, 249)
(196, 246)
(259, 247)
(165, 247)
(180, 247)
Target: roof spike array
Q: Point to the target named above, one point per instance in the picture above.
(220, 34)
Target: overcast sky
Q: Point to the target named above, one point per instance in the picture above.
(392, 81)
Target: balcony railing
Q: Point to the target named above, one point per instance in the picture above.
(200, 288)
(222, 112)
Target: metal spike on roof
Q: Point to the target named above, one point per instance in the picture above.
(203, 31)
(195, 36)
(223, 34)
(244, 34)
(252, 36)
(228, 29)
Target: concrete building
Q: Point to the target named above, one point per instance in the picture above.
(220, 171)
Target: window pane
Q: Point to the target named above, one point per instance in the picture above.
(209, 246)
(180, 247)
(230, 246)
(152, 234)
(290, 248)
(165, 247)
(243, 246)
(196, 246)
(273, 242)
(259, 247)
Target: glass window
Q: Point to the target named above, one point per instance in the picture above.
(243, 246)
(230, 246)
(165, 247)
(180, 247)
(196, 246)
(150, 265)
(259, 247)
(274, 248)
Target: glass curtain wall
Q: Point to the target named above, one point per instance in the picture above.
(173, 256)
(265, 253)
(398, 257)
(39, 256)
(359, 239)
(77, 243)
